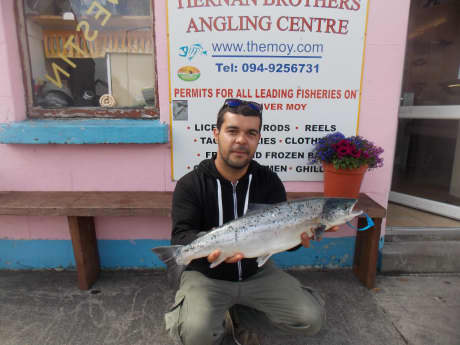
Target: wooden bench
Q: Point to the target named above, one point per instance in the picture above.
(80, 208)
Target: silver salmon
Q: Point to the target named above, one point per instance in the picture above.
(264, 231)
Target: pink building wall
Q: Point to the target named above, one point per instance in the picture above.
(147, 167)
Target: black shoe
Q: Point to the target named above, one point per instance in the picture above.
(241, 336)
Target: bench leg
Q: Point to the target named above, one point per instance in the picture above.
(84, 242)
(366, 252)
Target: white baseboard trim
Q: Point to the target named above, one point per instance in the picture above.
(435, 207)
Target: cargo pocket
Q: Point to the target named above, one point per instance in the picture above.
(172, 319)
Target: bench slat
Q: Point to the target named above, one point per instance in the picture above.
(91, 204)
(87, 204)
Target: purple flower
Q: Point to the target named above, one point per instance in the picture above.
(347, 152)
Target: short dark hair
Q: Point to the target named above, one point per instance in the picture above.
(245, 108)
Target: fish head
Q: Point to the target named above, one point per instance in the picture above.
(337, 211)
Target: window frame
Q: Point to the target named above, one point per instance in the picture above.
(37, 112)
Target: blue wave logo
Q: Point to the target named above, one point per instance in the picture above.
(189, 52)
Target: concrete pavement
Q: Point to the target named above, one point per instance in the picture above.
(126, 308)
(424, 308)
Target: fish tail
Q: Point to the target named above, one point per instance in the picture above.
(168, 255)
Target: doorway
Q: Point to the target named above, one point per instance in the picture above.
(426, 175)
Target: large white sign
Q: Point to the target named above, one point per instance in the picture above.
(302, 59)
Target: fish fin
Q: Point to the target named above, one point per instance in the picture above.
(168, 254)
(261, 260)
(318, 232)
(217, 262)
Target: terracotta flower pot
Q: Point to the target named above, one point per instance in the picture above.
(342, 182)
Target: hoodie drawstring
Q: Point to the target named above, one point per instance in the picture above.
(219, 200)
(246, 202)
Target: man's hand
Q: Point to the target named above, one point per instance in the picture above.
(230, 260)
(305, 240)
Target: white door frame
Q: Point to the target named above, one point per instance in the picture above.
(441, 112)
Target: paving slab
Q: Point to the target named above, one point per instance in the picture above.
(424, 308)
(127, 307)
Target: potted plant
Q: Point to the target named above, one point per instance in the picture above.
(345, 160)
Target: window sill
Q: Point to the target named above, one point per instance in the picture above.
(92, 131)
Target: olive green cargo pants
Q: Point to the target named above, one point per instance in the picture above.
(272, 301)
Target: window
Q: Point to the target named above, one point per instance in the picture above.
(89, 58)
(432, 68)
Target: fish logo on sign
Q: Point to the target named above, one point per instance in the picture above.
(188, 73)
(189, 52)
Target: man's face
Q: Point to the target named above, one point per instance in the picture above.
(237, 139)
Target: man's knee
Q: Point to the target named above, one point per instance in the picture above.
(313, 314)
(199, 331)
(307, 321)
(314, 320)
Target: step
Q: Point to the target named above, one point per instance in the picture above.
(394, 234)
(421, 257)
